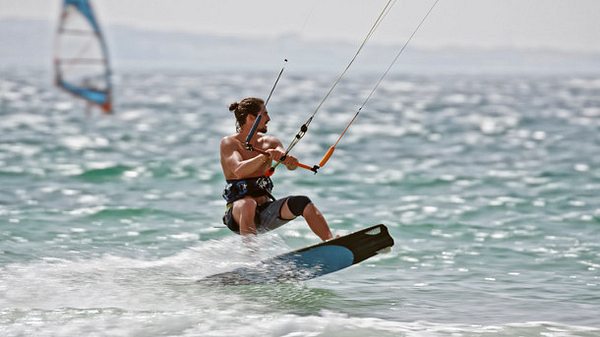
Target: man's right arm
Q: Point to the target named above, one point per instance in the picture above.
(232, 159)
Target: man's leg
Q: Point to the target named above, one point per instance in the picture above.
(301, 205)
(243, 213)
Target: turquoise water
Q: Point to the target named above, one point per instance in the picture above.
(488, 184)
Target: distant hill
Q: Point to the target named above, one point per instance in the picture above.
(29, 43)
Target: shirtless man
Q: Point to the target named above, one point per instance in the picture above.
(251, 209)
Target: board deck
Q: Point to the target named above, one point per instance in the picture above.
(312, 261)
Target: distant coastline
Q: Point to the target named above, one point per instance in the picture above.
(29, 43)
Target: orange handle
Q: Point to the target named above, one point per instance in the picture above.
(304, 166)
(271, 170)
(327, 156)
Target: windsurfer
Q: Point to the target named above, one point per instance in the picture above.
(251, 209)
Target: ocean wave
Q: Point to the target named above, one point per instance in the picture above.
(243, 321)
(104, 174)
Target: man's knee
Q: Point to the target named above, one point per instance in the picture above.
(297, 204)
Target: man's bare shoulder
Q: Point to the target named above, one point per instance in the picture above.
(228, 141)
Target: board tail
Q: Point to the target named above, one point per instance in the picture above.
(363, 244)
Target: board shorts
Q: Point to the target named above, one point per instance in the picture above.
(266, 218)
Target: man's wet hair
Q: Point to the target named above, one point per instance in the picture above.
(245, 107)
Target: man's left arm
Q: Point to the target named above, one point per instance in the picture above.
(290, 161)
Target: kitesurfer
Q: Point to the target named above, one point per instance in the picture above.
(251, 208)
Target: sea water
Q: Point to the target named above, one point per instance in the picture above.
(489, 185)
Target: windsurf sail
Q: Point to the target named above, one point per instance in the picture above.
(81, 63)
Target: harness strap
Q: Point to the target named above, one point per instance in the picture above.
(255, 187)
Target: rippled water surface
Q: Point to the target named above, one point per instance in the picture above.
(488, 184)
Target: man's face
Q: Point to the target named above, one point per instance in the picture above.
(262, 127)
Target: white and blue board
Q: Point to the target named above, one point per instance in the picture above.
(310, 262)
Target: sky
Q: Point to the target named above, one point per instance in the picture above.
(566, 25)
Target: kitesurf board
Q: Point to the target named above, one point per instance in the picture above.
(310, 262)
